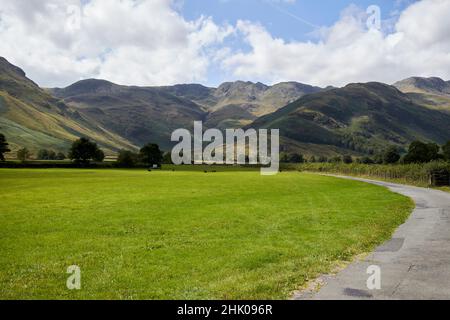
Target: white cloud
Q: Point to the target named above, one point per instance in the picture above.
(348, 52)
(143, 42)
(147, 42)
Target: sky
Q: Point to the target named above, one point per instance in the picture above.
(165, 42)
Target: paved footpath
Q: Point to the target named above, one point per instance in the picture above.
(414, 264)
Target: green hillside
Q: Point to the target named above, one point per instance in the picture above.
(142, 114)
(30, 117)
(360, 118)
(138, 114)
(357, 119)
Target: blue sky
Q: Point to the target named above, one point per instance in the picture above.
(165, 42)
(278, 16)
(295, 20)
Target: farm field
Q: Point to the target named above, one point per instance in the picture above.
(183, 234)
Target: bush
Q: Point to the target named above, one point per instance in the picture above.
(42, 154)
(127, 159)
(366, 160)
(391, 155)
(322, 159)
(296, 158)
(446, 150)
(347, 159)
(167, 158)
(23, 154)
(3, 147)
(60, 156)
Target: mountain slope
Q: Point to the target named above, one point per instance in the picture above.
(30, 117)
(235, 104)
(433, 93)
(359, 117)
(139, 114)
(142, 114)
(431, 85)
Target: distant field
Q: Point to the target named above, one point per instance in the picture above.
(182, 235)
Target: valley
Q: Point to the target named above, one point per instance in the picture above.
(357, 119)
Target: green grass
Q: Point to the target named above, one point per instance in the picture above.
(182, 235)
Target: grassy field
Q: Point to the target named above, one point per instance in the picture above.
(182, 234)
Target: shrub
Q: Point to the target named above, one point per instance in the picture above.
(391, 155)
(23, 154)
(347, 159)
(127, 159)
(3, 147)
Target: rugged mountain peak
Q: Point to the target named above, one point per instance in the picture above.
(11, 76)
(240, 88)
(88, 86)
(6, 67)
(377, 88)
(294, 84)
(424, 85)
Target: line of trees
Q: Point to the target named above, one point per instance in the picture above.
(418, 152)
(150, 155)
(83, 151)
(45, 154)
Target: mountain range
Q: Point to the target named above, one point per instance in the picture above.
(356, 119)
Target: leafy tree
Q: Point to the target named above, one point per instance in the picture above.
(151, 155)
(446, 150)
(51, 155)
(296, 158)
(99, 156)
(347, 159)
(313, 159)
(366, 160)
(335, 159)
(23, 154)
(3, 147)
(60, 156)
(83, 151)
(433, 152)
(378, 158)
(47, 155)
(322, 159)
(391, 155)
(167, 158)
(284, 157)
(420, 152)
(127, 159)
(43, 154)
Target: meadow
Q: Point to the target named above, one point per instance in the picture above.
(183, 234)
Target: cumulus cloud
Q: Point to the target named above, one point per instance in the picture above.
(148, 42)
(145, 42)
(349, 52)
